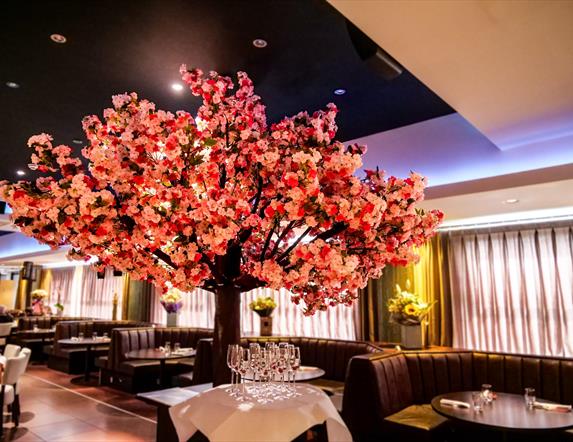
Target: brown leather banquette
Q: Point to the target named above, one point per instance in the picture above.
(44, 322)
(388, 395)
(139, 375)
(332, 355)
(72, 359)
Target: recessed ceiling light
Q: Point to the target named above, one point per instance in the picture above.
(12, 85)
(177, 87)
(32, 166)
(20, 173)
(511, 201)
(77, 141)
(259, 43)
(339, 91)
(58, 38)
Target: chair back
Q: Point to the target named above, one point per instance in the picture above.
(14, 368)
(26, 351)
(5, 329)
(12, 351)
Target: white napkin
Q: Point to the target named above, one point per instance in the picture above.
(454, 403)
(552, 407)
(75, 339)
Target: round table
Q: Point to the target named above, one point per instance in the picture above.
(507, 413)
(88, 343)
(155, 354)
(221, 416)
(304, 373)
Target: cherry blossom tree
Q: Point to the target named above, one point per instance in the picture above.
(223, 201)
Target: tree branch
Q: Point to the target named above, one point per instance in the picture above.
(268, 240)
(258, 195)
(284, 233)
(287, 252)
(160, 254)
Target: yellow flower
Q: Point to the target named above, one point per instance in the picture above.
(410, 309)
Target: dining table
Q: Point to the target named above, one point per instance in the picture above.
(157, 354)
(507, 413)
(223, 414)
(88, 343)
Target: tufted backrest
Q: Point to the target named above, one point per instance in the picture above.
(378, 385)
(28, 322)
(332, 355)
(71, 329)
(124, 340)
(436, 373)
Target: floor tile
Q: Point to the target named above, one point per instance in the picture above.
(63, 429)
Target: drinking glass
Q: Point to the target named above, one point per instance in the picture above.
(35, 328)
(80, 336)
(487, 393)
(177, 347)
(478, 400)
(167, 348)
(529, 397)
(232, 363)
(294, 363)
(105, 335)
(94, 336)
(244, 365)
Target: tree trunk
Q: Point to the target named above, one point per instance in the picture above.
(227, 330)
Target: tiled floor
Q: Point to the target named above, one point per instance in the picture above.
(56, 409)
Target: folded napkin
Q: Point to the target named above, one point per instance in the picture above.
(75, 339)
(454, 403)
(552, 407)
(184, 350)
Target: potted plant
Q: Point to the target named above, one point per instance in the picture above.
(408, 310)
(38, 298)
(264, 307)
(172, 302)
(59, 309)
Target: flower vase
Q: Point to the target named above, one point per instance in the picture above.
(411, 336)
(172, 319)
(266, 325)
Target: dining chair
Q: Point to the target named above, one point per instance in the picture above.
(13, 370)
(5, 330)
(11, 351)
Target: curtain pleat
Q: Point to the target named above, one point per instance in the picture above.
(513, 290)
(288, 319)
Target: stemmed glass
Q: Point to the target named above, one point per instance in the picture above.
(244, 365)
(233, 364)
(294, 364)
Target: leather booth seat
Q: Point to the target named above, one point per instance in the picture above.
(332, 355)
(72, 359)
(141, 375)
(39, 345)
(387, 396)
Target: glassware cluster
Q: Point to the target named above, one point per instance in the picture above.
(264, 374)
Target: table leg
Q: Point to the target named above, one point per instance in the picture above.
(162, 380)
(87, 367)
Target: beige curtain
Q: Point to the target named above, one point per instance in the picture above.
(428, 278)
(514, 290)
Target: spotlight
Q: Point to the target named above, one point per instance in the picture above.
(58, 38)
(12, 85)
(177, 87)
(20, 172)
(259, 43)
(339, 91)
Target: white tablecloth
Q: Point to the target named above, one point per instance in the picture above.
(221, 417)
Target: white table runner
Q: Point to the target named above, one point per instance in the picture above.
(222, 418)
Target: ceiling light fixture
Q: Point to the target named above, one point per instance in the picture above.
(339, 91)
(259, 43)
(177, 87)
(77, 141)
(20, 172)
(33, 166)
(12, 85)
(58, 38)
(511, 201)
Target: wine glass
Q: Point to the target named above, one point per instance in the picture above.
(487, 393)
(232, 363)
(244, 365)
(294, 364)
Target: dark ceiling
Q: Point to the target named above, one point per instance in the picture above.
(118, 46)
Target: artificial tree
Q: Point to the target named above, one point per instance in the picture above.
(223, 201)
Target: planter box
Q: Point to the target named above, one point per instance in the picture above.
(411, 337)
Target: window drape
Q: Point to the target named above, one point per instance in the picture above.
(513, 290)
(288, 319)
(82, 294)
(428, 278)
